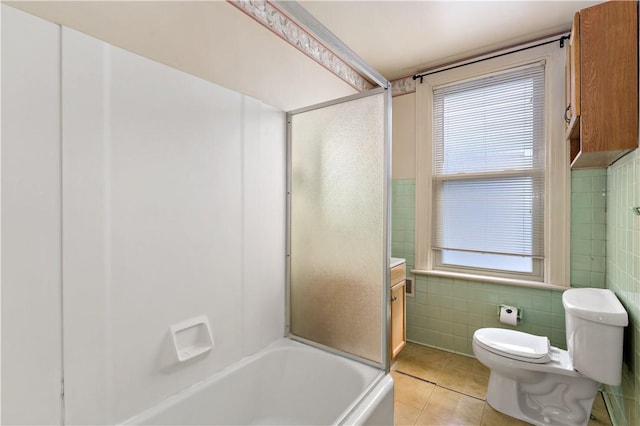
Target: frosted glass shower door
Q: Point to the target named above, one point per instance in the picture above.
(338, 225)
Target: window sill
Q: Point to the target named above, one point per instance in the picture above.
(490, 279)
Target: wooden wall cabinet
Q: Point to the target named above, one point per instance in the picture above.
(572, 77)
(398, 317)
(602, 84)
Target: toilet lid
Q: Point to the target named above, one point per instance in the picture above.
(514, 344)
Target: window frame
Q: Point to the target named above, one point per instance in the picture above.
(555, 265)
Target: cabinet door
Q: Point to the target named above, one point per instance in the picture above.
(398, 326)
(573, 62)
(608, 82)
(572, 88)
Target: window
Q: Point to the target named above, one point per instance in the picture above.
(488, 173)
(491, 187)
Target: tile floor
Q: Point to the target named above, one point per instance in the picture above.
(434, 387)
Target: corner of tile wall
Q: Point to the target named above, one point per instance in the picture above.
(623, 278)
(588, 227)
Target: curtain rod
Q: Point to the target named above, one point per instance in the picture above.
(561, 39)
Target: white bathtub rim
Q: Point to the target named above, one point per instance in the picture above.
(360, 410)
(370, 374)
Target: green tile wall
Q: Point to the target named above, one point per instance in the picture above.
(588, 228)
(623, 278)
(446, 312)
(403, 202)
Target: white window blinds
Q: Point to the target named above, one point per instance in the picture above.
(488, 172)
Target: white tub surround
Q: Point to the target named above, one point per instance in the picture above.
(31, 208)
(173, 208)
(288, 383)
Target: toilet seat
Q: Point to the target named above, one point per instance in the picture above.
(514, 344)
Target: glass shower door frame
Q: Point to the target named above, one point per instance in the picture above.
(385, 251)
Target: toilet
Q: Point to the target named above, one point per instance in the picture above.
(544, 385)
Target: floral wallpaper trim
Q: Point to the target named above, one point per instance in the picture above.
(279, 23)
(402, 86)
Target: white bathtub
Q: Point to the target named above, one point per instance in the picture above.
(288, 383)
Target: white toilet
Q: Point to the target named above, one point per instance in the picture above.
(544, 385)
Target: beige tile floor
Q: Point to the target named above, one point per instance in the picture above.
(434, 387)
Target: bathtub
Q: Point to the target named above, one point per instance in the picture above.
(288, 383)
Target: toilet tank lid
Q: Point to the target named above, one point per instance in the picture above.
(595, 304)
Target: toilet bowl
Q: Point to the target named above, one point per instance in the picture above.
(540, 393)
(544, 385)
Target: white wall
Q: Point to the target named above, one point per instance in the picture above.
(173, 205)
(31, 256)
(404, 137)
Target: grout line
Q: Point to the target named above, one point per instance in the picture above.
(462, 393)
(415, 377)
(440, 386)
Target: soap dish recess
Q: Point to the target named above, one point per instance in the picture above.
(191, 337)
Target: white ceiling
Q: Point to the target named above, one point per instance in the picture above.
(401, 38)
(215, 41)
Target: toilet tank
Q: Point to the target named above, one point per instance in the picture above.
(595, 320)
